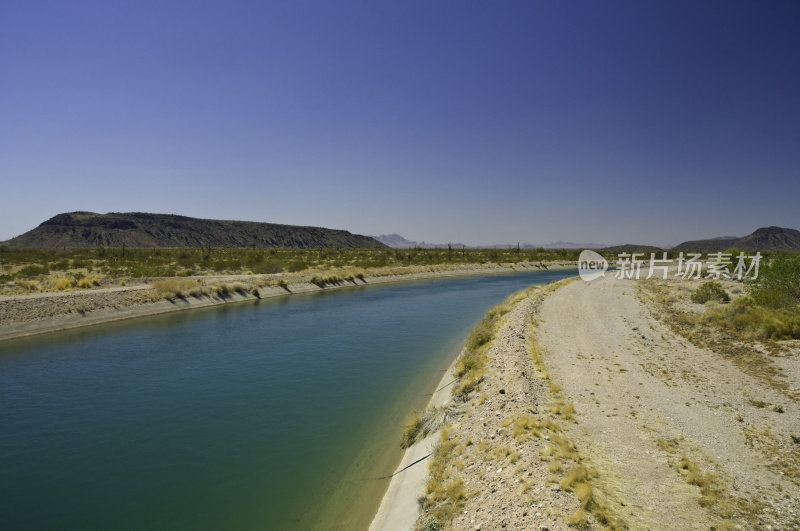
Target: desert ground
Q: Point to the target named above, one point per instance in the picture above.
(600, 407)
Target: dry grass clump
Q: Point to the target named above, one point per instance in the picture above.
(173, 288)
(27, 285)
(63, 283)
(578, 518)
(445, 495)
(525, 427)
(86, 283)
(420, 425)
(471, 364)
(322, 281)
(470, 371)
(711, 487)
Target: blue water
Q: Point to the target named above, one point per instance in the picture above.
(278, 414)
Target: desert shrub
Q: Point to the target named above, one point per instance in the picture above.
(32, 271)
(710, 291)
(778, 284)
(267, 267)
(61, 265)
(63, 283)
(27, 285)
(84, 283)
(749, 320)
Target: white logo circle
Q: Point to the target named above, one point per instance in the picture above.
(591, 265)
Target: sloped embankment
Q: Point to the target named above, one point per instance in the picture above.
(508, 460)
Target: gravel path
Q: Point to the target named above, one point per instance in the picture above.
(645, 397)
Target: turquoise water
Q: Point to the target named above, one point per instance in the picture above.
(278, 414)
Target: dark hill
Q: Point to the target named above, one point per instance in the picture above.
(136, 229)
(764, 239)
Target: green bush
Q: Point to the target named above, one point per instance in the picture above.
(32, 271)
(778, 284)
(749, 320)
(710, 291)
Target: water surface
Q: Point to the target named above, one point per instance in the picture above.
(278, 414)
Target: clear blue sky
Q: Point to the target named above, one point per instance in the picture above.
(481, 122)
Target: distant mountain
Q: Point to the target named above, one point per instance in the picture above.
(631, 247)
(137, 229)
(570, 245)
(398, 242)
(763, 239)
(394, 241)
(561, 245)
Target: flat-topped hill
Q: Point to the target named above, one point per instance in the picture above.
(138, 229)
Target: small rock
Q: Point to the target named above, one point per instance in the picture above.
(502, 391)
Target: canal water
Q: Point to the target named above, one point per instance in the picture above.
(278, 414)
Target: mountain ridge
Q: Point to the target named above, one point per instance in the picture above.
(764, 239)
(146, 230)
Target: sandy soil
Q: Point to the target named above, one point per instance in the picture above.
(665, 434)
(506, 481)
(646, 396)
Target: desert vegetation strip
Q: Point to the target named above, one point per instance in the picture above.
(33, 313)
(34, 270)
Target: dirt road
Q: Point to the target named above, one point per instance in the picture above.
(680, 435)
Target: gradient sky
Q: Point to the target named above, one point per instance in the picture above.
(478, 122)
